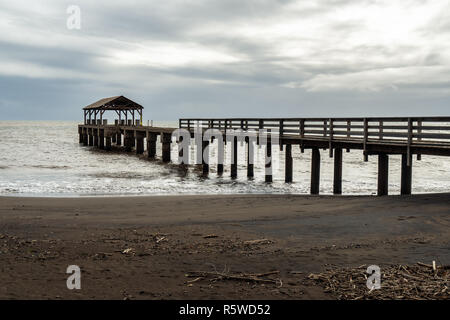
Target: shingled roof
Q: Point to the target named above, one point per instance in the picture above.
(114, 103)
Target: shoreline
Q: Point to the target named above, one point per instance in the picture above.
(170, 236)
(327, 195)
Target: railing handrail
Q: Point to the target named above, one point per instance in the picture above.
(405, 130)
(391, 119)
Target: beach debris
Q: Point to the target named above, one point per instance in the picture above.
(413, 282)
(210, 236)
(258, 241)
(128, 250)
(226, 275)
(295, 272)
(102, 255)
(159, 239)
(195, 280)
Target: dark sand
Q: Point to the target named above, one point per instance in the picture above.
(40, 237)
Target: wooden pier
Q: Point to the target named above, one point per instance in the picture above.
(381, 137)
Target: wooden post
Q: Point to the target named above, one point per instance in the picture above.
(166, 140)
(268, 166)
(302, 128)
(281, 133)
(250, 158)
(260, 126)
(108, 143)
(180, 149)
(234, 160)
(330, 144)
(90, 138)
(288, 164)
(349, 128)
(119, 138)
(383, 174)
(128, 140)
(419, 132)
(220, 156)
(95, 133)
(366, 138)
(139, 143)
(114, 138)
(101, 139)
(380, 130)
(151, 144)
(205, 157)
(406, 184)
(85, 137)
(410, 140)
(337, 183)
(315, 171)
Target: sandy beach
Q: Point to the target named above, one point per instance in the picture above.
(153, 247)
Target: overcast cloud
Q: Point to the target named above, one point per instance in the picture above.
(227, 58)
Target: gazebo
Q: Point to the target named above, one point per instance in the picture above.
(119, 104)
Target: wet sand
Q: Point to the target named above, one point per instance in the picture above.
(169, 237)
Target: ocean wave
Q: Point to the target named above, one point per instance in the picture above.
(122, 175)
(49, 167)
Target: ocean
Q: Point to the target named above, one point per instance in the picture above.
(44, 158)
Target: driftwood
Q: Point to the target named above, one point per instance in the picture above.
(258, 241)
(215, 275)
(210, 236)
(414, 282)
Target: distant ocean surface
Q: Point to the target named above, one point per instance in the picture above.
(45, 159)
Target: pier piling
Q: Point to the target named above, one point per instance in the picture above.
(151, 144)
(406, 178)
(234, 158)
(220, 156)
(108, 143)
(315, 171)
(90, 139)
(205, 158)
(85, 137)
(139, 142)
(128, 140)
(119, 138)
(383, 174)
(268, 166)
(95, 138)
(101, 138)
(250, 158)
(337, 181)
(288, 164)
(166, 140)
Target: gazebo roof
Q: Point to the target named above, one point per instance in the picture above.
(114, 103)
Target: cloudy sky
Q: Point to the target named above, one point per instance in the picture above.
(225, 58)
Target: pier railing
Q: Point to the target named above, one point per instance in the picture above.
(429, 130)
